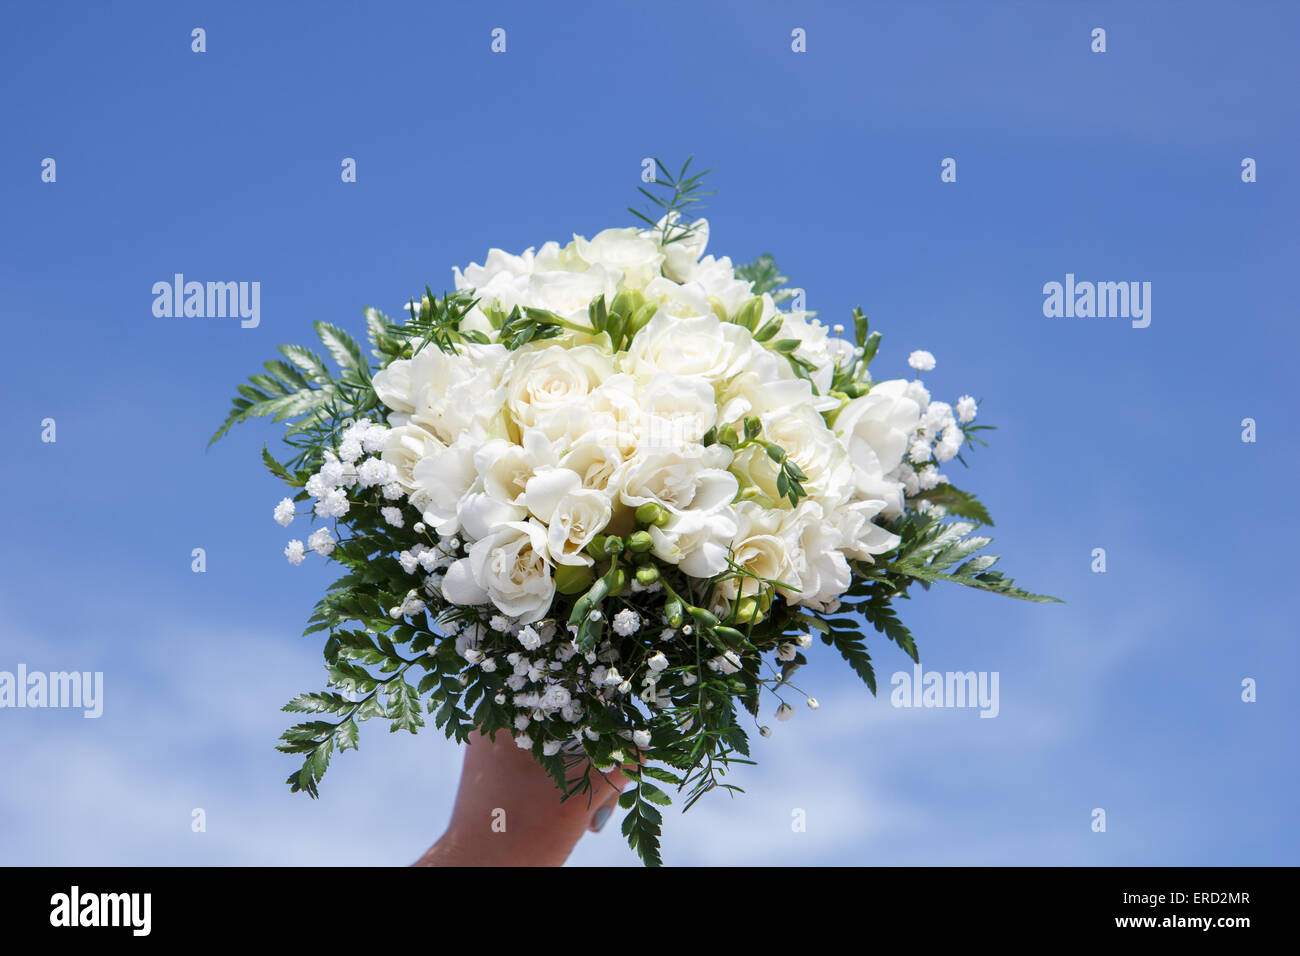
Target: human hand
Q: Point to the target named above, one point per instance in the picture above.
(508, 810)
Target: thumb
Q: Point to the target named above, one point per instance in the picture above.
(600, 816)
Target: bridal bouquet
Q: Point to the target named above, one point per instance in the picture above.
(605, 497)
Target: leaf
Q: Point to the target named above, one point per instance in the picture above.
(346, 735)
(764, 276)
(963, 504)
(276, 468)
(321, 703)
(853, 650)
(344, 349)
(309, 362)
(403, 707)
(642, 826)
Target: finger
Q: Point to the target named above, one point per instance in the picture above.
(603, 812)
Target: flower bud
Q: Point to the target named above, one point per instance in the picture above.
(704, 616)
(647, 574)
(746, 610)
(615, 580)
(652, 513)
(749, 313)
(572, 578)
(673, 613)
(639, 542)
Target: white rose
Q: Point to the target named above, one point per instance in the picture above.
(813, 345)
(611, 410)
(767, 383)
(808, 443)
(506, 467)
(509, 566)
(702, 345)
(541, 380)
(568, 294)
(684, 300)
(502, 264)
(721, 285)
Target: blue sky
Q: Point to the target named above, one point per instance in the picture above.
(1115, 166)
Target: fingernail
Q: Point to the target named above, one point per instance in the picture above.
(600, 816)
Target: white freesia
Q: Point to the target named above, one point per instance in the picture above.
(597, 460)
(676, 410)
(696, 541)
(759, 548)
(445, 393)
(681, 258)
(578, 516)
(819, 572)
(405, 447)
(877, 430)
(637, 257)
(688, 480)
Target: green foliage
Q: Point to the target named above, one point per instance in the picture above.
(522, 326)
(303, 389)
(961, 504)
(930, 547)
(644, 823)
(436, 320)
(765, 277)
(674, 203)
